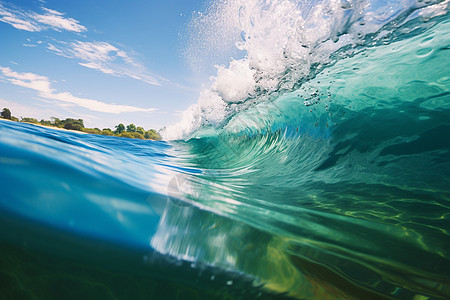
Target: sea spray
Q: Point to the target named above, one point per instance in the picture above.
(288, 42)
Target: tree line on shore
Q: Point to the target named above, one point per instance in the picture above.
(129, 131)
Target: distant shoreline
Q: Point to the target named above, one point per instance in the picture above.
(46, 126)
(56, 128)
(77, 125)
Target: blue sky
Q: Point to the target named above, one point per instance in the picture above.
(105, 61)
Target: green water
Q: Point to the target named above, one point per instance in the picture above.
(333, 185)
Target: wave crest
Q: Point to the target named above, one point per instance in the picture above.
(287, 42)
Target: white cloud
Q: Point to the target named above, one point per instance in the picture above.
(32, 21)
(28, 80)
(106, 58)
(95, 51)
(52, 12)
(42, 85)
(99, 56)
(17, 19)
(54, 49)
(98, 67)
(19, 110)
(56, 21)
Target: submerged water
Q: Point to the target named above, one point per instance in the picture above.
(322, 174)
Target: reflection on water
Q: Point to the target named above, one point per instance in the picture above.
(311, 262)
(195, 235)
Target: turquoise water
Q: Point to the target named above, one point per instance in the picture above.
(333, 183)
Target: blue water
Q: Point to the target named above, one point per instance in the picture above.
(330, 185)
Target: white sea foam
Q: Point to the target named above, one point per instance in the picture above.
(282, 41)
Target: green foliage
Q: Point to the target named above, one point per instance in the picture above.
(70, 123)
(126, 134)
(131, 128)
(152, 135)
(137, 135)
(29, 120)
(92, 130)
(119, 129)
(107, 132)
(130, 131)
(140, 130)
(45, 122)
(73, 126)
(6, 113)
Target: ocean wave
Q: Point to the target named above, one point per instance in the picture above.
(286, 43)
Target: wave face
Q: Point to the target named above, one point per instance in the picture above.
(331, 132)
(285, 43)
(315, 167)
